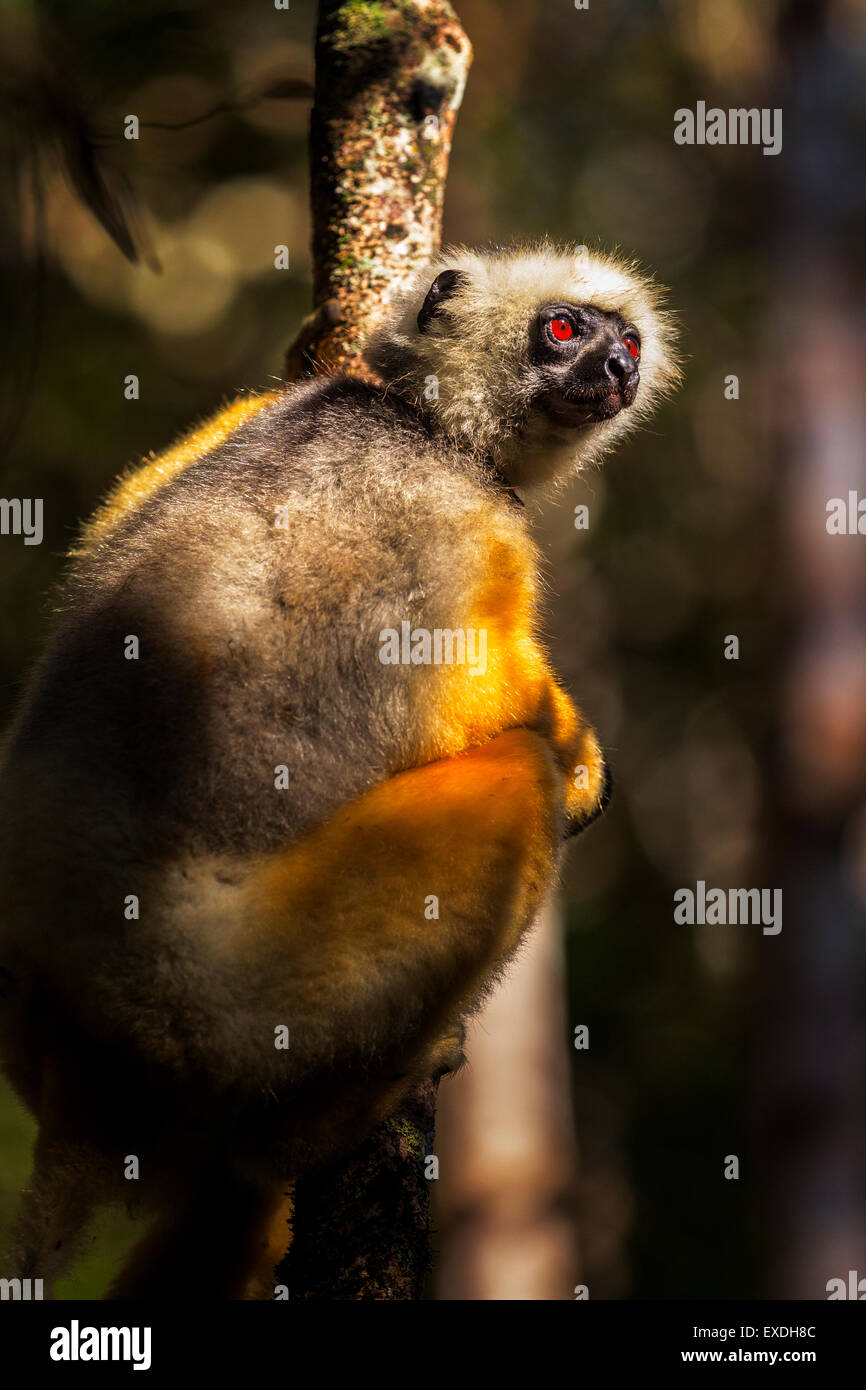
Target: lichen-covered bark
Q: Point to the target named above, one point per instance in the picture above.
(389, 79)
(361, 1225)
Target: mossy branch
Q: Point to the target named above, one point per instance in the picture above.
(389, 81)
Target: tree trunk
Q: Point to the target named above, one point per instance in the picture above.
(390, 76)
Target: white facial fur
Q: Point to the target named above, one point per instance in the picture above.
(476, 350)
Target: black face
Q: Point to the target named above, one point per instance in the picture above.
(584, 363)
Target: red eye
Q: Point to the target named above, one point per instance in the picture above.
(633, 346)
(561, 329)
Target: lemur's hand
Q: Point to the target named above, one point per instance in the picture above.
(586, 776)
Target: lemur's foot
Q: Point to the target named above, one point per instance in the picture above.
(589, 783)
(447, 1055)
(577, 821)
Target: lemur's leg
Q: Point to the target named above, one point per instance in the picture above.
(389, 920)
(387, 923)
(272, 1244)
(221, 1240)
(56, 1208)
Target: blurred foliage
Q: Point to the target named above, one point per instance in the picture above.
(566, 131)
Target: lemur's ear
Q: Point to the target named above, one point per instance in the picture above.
(446, 282)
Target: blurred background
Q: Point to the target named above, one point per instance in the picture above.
(704, 1042)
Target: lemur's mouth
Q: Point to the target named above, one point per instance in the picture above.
(582, 407)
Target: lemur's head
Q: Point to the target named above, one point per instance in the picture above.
(537, 359)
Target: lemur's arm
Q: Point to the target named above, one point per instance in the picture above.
(515, 685)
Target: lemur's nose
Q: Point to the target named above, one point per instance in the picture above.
(620, 364)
